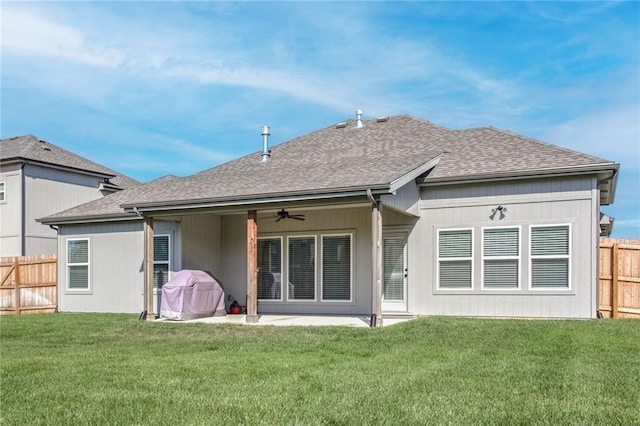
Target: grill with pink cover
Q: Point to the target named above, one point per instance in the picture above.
(192, 294)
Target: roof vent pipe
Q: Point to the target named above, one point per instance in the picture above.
(358, 119)
(265, 144)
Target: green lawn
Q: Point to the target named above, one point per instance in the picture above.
(114, 369)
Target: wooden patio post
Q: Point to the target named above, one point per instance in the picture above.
(376, 258)
(148, 267)
(252, 267)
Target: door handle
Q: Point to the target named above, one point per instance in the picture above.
(406, 272)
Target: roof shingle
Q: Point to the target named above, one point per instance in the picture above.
(339, 158)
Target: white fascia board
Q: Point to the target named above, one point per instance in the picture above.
(88, 219)
(413, 174)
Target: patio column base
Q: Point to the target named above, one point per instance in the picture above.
(252, 319)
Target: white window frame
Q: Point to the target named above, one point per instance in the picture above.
(87, 264)
(554, 256)
(338, 234)
(282, 265)
(315, 268)
(163, 262)
(518, 258)
(3, 191)
(455, 259)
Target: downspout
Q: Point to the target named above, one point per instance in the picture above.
(23, 222)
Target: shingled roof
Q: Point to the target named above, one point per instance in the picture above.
(342, 158)
(30, 148)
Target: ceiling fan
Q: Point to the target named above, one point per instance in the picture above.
(283, 214)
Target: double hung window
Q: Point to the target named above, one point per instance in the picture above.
(455, 259)
(501, 258)
(550, 256)
(78, 264)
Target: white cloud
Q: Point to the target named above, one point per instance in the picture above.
(31, 34)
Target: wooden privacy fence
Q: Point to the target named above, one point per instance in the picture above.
(29, 284)
(619, 278)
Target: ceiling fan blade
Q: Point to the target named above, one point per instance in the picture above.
(297, 217)
(280, 218)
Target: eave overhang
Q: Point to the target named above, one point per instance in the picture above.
(256, 200)
(606, 173)
(22, 160)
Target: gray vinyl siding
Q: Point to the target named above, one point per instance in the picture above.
(11, 212)
(116, 266)
(49, 191)
(337, 221)
(532, 202)
(116, 277)
(201, 235)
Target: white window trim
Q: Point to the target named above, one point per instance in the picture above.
(163, 262)
(87, 264)
(315, 268)
(453, 259)
(3, 184)
(282, 264)
(555, 256)
(340, 234)
(518, 258)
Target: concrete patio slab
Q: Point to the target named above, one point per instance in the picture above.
(293, 320)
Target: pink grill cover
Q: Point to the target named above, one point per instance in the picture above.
(192, 294)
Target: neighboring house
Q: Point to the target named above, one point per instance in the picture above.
(37, 179)
(401, 217)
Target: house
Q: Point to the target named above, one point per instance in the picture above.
(388, 216)
(37, 179)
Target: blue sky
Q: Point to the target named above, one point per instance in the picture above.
(152, 88)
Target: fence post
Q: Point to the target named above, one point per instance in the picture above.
(614, 281)
(16, 286)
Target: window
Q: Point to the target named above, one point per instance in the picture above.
(455, 261)
(501, 258)
(3, 194)
(302, 268)
(270, 268)
(550, 254)
(161, 260)
(78, 264)
(336, 267)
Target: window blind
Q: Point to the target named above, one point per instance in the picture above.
(161, 248)
(336, 267)
(455, 262)
(501, 251)
(269, 268)
(77, 251)
(550, 256)
(393, 269)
